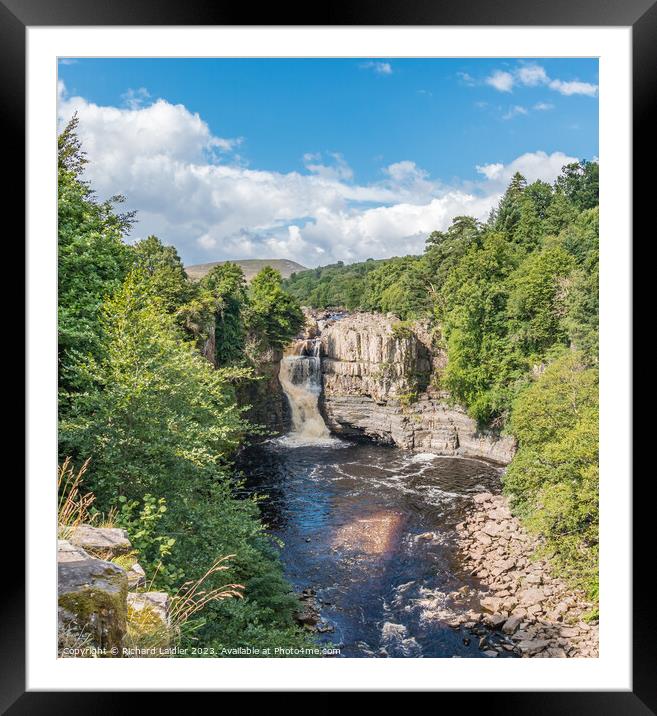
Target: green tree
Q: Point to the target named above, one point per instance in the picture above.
(509, 211)
(579, 182)
(168, 279)
(535, 307)
(223, 291)
(481, 363)
(553, 479)
(399, 286)
(92, 257)
(155, 411)
(273, 315)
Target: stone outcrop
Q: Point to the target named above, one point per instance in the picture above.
(536, 613)
(111, 541)
(379, 379)
(97, 615)
(92, 597)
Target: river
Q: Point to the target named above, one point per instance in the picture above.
(370, 529)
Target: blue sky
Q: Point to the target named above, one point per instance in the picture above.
(323, 159)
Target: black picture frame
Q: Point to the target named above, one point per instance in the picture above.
(17, 15)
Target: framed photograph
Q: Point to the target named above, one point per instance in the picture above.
(329, 352)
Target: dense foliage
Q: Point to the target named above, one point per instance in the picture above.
(514, 302)
(159, 421)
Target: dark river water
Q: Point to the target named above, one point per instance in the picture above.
(371, 530)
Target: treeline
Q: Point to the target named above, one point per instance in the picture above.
(150, 364)
(514, 302)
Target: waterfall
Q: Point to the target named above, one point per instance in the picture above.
(301, 379)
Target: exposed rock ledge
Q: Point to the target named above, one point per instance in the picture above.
(536, 612)
(95, 609)
(379, 378)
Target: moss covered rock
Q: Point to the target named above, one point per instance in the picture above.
(92, 597)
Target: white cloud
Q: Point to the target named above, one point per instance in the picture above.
(570, 88)
(532, 165)
(531, 75)
(381, 68)
(491, 171)
(514, 112)
(134, 98)
(534, 76)
(502, 81)
(191, 190)
(543, 106)
(338, 169)
(466, 78)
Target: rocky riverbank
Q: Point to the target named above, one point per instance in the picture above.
(536, 614)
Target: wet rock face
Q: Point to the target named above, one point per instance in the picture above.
(268, 405)
(520, 596)
(376, 382)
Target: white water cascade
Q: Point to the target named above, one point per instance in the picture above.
(301, 380)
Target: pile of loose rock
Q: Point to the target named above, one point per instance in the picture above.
(536, 614)
(309, 613)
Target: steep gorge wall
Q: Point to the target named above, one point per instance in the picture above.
(268, 405)
(377, 376)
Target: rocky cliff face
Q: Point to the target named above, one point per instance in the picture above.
(269, 407)
(379, 377)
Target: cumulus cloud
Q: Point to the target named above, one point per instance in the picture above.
(336, 169)
(534, 75)
(381, 68)
(532, 165)
(568, 88)
(193, 191)
(501, 81)
(531, 75)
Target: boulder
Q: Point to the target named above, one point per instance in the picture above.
(136, 576)
(66, 552)
(483, 538)
(512, 623)
(491, 528)
(91, 597)
(495, 620)
(530, 596)
(110, 541)
(157, 603)
(531, 647)
(491, 604)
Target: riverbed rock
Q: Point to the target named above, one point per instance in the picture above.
(512, 623)
(531, 647)
(491, 604)
(542, 615)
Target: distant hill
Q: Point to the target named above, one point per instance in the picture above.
(250, 267)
